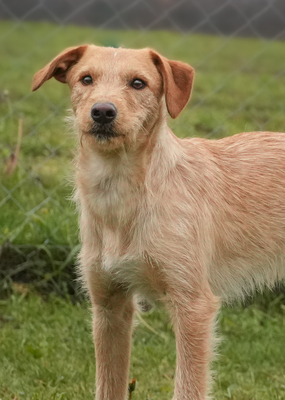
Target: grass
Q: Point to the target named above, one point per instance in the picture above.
(239, 86)
(47, 352)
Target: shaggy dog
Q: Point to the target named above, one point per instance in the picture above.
(185, 222)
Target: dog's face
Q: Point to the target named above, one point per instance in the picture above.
(118, 94)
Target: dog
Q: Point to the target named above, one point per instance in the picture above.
(187, 222)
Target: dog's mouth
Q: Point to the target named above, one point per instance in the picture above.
(103, 133)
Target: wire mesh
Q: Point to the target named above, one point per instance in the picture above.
(234, 45)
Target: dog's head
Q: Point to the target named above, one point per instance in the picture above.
(118, 95)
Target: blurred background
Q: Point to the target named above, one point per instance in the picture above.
(237, 49)
(235, 46)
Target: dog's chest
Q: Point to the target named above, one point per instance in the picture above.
(111, 201)
(114, 250)
(114, 200)
(123, 261)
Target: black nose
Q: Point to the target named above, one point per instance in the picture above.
(103, 113)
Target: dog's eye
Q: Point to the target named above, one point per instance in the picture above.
(86, 80)
(138, 84)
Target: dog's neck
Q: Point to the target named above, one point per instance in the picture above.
(164, 157)
(115, 185)
(157, 155)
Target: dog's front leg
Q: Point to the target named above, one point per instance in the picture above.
(112, 327)
(193, 316)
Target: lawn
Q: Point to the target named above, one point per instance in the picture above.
(47, 352)
(239, 87)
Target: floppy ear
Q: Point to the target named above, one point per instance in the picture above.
(59, 66)
(178, 81)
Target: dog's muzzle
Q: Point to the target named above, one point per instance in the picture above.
(103, 115)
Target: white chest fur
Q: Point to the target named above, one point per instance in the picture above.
(111, 186)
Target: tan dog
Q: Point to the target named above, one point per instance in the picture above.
(186, 222)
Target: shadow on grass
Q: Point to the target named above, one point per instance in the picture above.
(46, 268)
(53, 269)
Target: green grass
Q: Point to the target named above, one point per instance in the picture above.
(239, 86)
(47, 352)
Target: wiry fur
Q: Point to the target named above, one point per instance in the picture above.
(185, 222)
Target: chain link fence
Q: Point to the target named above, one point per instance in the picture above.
(235, 46)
